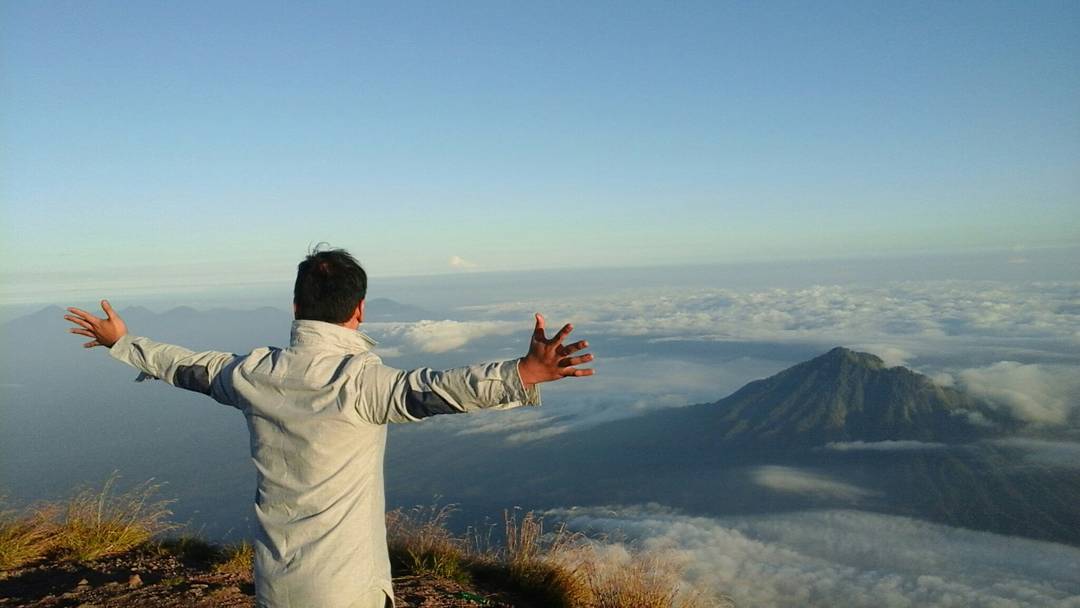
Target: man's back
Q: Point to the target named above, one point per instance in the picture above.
(320, 502)
(317, 412)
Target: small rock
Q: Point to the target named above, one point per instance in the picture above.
(84, 583)
(135, 581)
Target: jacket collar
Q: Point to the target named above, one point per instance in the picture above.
(309, 333)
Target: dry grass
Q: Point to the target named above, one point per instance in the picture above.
(617, 579)
(98, 523)
(559, 568)
(536, 562)
(26, 538)
(419, 540)
(237, 559)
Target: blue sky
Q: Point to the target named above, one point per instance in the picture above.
(211, 143)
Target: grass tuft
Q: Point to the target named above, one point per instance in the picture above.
(558, 568)
(536, 562)
(188, 548)
(419, 540)
(26, 538)
(237, 559)
(617, 578)
(99, 523)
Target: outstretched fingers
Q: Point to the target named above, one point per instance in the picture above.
(576, 372)
(82, 314)
(569, 349)
(572, 361)
(565, 331)
(78, 321)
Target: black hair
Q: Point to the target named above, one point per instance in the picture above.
(329, 285)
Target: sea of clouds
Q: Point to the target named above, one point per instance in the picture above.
(843, 558)
(1015, 345)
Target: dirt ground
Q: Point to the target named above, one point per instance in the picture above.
(144, 579)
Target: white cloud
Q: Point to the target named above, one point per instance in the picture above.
(456, 261)
(888, 445)
(943, 379)
(544, 433)
(1042, 394)
(442, 336)
(890, 355)
(799, 481)
(847, 559)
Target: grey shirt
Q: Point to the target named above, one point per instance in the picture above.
(317, 412)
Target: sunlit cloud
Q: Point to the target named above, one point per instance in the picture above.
(1041, 394)
(899, 322)
(460, 263)
(842, 558)
(440, 336)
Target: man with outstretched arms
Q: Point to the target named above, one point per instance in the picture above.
(317, 413)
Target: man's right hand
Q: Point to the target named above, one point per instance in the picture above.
(549, 359)
(105, 332)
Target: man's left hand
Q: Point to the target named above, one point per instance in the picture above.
(549, 359)
(105, 332)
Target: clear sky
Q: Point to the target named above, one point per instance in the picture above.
(194, 144)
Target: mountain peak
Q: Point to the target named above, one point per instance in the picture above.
(846, 395)
(844, 355)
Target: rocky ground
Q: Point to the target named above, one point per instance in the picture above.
(146, 578)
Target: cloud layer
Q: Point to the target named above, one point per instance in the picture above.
(847, 559)
(884, 316)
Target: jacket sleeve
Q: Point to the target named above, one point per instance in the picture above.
(178, 366)
(392, 395)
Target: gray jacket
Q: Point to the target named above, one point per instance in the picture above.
(317, 412)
